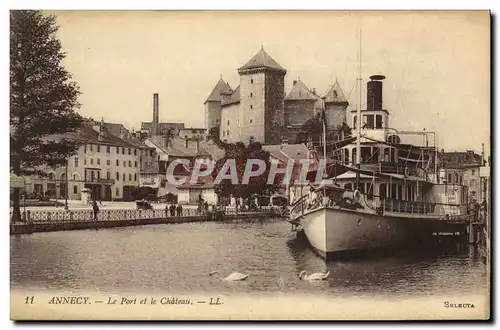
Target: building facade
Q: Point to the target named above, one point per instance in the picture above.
(192, 133)
(107, 165)
(463, 168)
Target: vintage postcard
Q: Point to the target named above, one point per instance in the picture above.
(250, 165)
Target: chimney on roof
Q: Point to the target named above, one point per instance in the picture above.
(101, 130)
(374, 93)
(313, 90)
(156, 114)
(294, 82)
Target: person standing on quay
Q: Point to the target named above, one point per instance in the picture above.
(172, 210)
(166, 210)
(178, 210)
(95, 209)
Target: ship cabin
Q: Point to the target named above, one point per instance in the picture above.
(396, 171)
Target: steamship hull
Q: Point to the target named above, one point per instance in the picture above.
(338, 232)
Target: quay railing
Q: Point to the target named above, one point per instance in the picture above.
(43, 217)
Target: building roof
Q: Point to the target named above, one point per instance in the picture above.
(284, 152)
(87, 134)
(461, 159)
(176, 147)
(335, 94)
(192, 128)
(215, 94)
(146, 125)
(115, 129)
(235, 97)
(262, 60)
(300, 91)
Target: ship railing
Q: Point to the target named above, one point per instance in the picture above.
(415, 207)
(299, 206)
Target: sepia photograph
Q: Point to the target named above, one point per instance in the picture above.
(250, 165)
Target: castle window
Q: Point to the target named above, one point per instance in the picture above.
(75, 189)
(251, 94)
(98, 148)
(251, 120)
(228, 123)
(449, 177)
(251, 81)
(251, 106)
(117, 176)
(108, 149)
(117, 162)
(124, 164)
(98, 161)
(117, 150)
(108, 162)
(91, 161)
(227, 133)
(223, 133)
(76, 161)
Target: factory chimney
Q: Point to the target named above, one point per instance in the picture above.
(155, 114)
(374, 93)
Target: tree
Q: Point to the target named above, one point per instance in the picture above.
(257, 186)
(43, 99)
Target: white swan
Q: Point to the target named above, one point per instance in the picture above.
(313, 277)
(232, 277)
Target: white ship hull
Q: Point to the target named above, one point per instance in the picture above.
(334, 231)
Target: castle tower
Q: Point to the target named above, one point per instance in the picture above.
(335, 106)
(213, 105)
(262, 94)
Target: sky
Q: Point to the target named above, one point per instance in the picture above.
(437, 64)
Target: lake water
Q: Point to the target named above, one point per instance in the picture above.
(178, 257)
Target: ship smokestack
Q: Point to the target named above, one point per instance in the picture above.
(156, 114)
(374, 93)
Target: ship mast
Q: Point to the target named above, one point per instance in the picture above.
(358, 103)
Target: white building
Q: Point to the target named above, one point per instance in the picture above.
(107, 164)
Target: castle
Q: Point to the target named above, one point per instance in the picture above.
(259, 110)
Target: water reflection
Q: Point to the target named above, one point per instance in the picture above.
(178, 258)
(444, 270)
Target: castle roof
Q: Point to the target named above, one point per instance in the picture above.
(300, 91)
(262, 60)
(335, 94)
(235, 97)
(215, 94)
